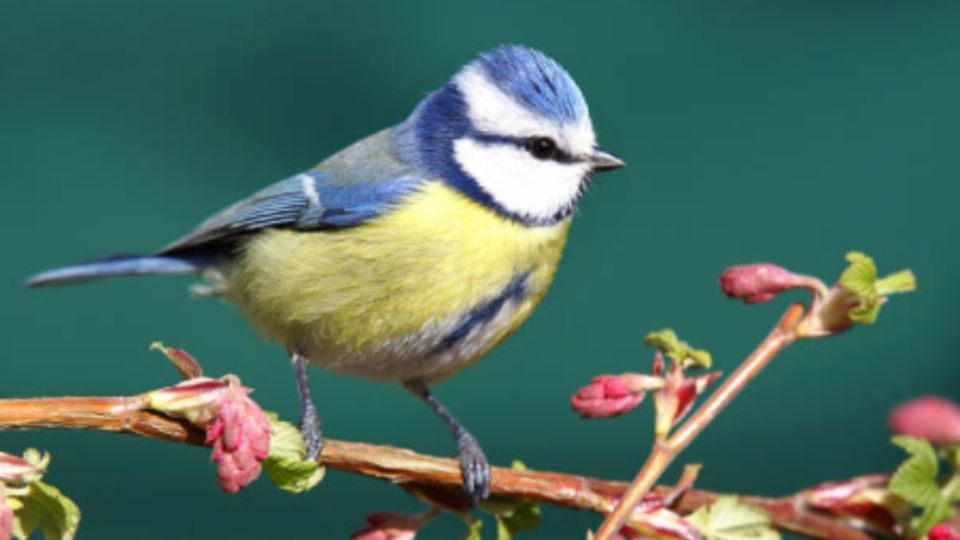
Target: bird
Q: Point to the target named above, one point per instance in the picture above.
(410, 254)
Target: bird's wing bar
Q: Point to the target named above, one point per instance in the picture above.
(310, 201)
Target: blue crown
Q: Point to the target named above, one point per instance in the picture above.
(535, 80)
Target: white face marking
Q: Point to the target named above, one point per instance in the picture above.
(518, 181)
(521, 183)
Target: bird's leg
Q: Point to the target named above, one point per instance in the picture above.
(474, 466)
(309, 421)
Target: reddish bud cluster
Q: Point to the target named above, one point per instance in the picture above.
(236, 428)
(865, 498)
(757, 283)
(607, 395)
(943, 532)
(6, 517)
(389, 526)
(240, 437)
(929, 417)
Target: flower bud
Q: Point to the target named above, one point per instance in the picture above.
(389, 526)
(6, 516)
(929, 417)
(240, 437)
(938, 532)
(757, 283)
(609, 395)
(16, 470)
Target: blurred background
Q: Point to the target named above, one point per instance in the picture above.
(789, 132)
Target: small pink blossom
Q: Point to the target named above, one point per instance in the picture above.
(236, 427)
(389, 526)
(929, 417)
(757, 283)
(943, 532)
(15, 469)
(612, 395)
(6, 517)
(240, 437)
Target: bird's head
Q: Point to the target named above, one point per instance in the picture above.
(512, 131)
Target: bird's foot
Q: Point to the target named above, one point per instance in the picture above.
(474, 468)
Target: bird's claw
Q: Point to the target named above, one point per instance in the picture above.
(474, 468)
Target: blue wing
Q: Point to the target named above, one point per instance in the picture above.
(357, 184)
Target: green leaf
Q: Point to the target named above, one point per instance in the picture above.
(666, 341)
(899, 282)
(286, 465)
(46, 508)
(473, 529)
(728, 519)
(860, 279)
(514, 516)
(915, 480)
(936, 513)
(525, 516)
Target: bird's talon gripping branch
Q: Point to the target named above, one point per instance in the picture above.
(474, 467)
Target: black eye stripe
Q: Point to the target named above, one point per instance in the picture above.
(559, 155)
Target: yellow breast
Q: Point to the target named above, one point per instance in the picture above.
(390, 299)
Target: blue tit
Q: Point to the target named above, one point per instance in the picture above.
(410, 254)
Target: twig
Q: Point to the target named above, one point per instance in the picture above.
(665, 450)
(396, 465)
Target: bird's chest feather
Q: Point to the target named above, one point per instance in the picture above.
(419, 292)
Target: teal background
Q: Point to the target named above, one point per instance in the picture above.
(781, 131)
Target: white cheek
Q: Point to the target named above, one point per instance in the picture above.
(522, 184)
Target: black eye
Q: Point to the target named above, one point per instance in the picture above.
(542, 147)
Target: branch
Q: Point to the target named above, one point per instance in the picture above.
(399, 466)
(666, 449)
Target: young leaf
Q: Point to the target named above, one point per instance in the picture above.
(915, 480)
(513, 516)
(860, 279)
(679, 351)
(473, 529)
(728, 519)
(286, 466)
(44, 507)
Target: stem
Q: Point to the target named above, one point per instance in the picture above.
(664, 452)
(399, 466)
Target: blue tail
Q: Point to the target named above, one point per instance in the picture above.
(120, 265)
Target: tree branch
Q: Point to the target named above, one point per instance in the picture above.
(665, 449)
(396, 465)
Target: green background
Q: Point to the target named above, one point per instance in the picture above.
(782, 131)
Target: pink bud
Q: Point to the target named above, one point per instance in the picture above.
(756, 283)
(14, 469)
(236, 427)
(389, 526)
(6, 518)
(663, 523)
(932, 418)
(942, 532)
(607, 395)
(240, 436)
(864, 498)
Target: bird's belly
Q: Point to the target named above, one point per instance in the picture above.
(420, 292)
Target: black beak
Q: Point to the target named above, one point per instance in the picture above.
(601, 160)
